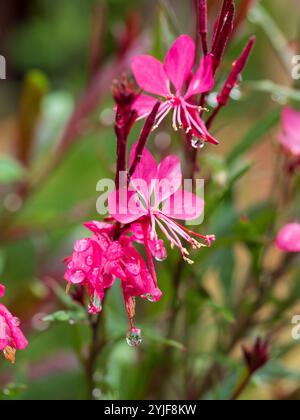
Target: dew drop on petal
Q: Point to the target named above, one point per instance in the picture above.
(134, 337)
(89, 261)
(97, 302)
(197, 143)
(81, 245)
(77, 277)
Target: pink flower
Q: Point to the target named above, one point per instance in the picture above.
(290, 135)
(97, 261)
(11, 337)
(288, 238)
(177, 85)
(154, 199)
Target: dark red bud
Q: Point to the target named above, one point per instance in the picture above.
(237, 68)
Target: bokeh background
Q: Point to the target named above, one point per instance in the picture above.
(63, 56)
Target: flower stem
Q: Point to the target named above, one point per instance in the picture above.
(242, 385)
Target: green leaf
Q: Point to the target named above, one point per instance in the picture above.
(279, 91)
(226, 313)
(161, 340)
(66, 316)
(254, 135)
(276, 370)
(10, 170)
(260, 16)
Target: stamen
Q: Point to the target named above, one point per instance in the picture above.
(162, 117)
(175, 118)
(168, 236)
(187, 117)
(179, 117)
(189, 261)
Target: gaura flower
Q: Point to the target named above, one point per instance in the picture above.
(11, 337)
(288, 239)
(98, 260)
(154, 199)
(175, 84)
(290, 135)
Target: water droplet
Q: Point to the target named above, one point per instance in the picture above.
(77, 277)
(97, 394)
(95, 306)
(160, 252)
(103, 242)
(82, 245)
(197, 143)
(133, 269)
(134, 337)
(16, 322)
(89, 261)
(149, 297)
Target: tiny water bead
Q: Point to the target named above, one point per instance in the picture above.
(197, 143)
(96, 303)
(134, 337)
(81, 245)
(149, 297)
(77, 277)
(89, 261)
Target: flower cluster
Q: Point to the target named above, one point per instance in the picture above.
(149, 205)
(11, 337)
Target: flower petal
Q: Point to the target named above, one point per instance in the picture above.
(169, 178)
(290, 137)
(137, 280)
(98, 227)
(125, 206)
(150, 75)
(291, 120)
(203, 79)
(144, 105)
(288, 238)
(198, 127)
(180, 60)
(183, 205)
(145, 173)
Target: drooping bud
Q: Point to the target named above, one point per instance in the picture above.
(126, 115)
(237, 68)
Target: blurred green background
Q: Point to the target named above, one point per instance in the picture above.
(51, 56)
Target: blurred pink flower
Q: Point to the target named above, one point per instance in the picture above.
(97, 261)
(288, 238)
(156, 78)
(155, 198)
(290, 135)
(11, 337)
